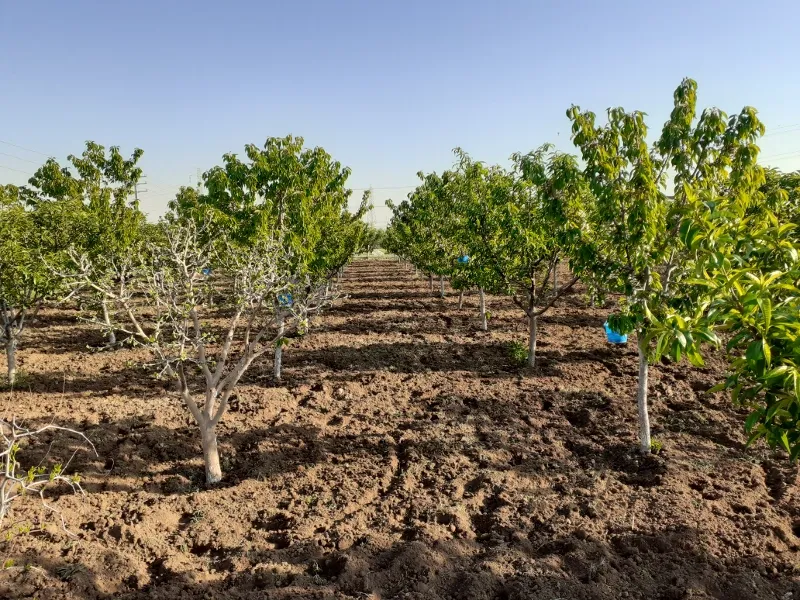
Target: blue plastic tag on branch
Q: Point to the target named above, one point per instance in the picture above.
(613, 336)
(463, 260)
(285, 300)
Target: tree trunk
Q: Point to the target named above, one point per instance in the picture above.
(112, 337)
(460, 299)
(11, 355)
(641, 397)
(208, 439)
(441, 286)
(555, 278)
(430, 281)
(531, 341)
(279, 346)
(484, 324)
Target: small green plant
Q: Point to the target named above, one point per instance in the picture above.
(656, 446)
(197, 516)
(16, 481)
(518, 353)
(23, 529)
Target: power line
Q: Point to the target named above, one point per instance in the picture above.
(785, 126)
(782, 132)
(19, 158)
(13, 169)
(790, 153)
(26, 149)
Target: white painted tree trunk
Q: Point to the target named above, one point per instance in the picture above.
(531, 341)
(11, 356)
(484, 323)
(279, 346)
(641, 398)
(112, 337)
(208, 437)
(460, 299)
(441, 286)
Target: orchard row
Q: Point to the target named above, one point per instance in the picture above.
(233, 271)
(698, 241)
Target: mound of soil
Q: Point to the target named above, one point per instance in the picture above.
(404, 456)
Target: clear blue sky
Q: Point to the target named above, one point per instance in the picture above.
(388, 88)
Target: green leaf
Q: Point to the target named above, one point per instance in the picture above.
(718, 388)
(777, 372)
(755, 352)
(695, 357)
(735, 393)
(794, 453)
(766, 309)
(753, 418)
(681, 338)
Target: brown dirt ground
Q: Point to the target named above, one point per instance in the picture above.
(404, 456)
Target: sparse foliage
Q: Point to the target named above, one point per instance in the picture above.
(17, 481)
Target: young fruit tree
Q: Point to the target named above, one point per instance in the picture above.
(471, 187)
(292, 195)
(26, 244)
(756, 303)
(205, 360)
(782, 195)
(423, 227)
(373, 239)
(635, 248)
(519, 224)
(97, 191)
(749, 269)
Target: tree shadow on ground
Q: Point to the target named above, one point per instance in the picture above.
(551, 544)
(388, 297)
(134, 455)
(479, 495)
(131, 381)
(404, 357)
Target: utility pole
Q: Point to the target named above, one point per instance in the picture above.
(136, 189)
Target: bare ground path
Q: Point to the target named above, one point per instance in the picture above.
(405, 456)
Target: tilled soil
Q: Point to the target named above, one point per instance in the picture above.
(403, 456)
